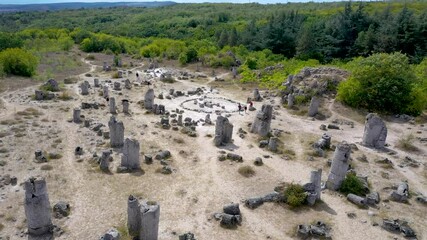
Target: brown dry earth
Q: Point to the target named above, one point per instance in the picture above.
(200, 184)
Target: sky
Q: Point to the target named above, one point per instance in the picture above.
(180, 1)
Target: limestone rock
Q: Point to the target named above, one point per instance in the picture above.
(223, 131)
(375, 133)
(261, 124)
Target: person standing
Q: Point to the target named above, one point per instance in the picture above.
(240, 108)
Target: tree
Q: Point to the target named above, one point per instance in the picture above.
(19, 62)
(8, 40)
(382, 83)
(223, 39)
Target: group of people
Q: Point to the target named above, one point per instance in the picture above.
(245, 107)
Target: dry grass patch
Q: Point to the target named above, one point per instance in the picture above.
(246, 171)
(65, 96)
(406, 143)
(46, 167)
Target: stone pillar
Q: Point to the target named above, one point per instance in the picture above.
(104, 66)
(96, 82)
(375, 133)
(125, 104)
(149, 99)
(179, 120)
(85, 88)
(130, 158)
(234, 71)
(112, 102)
(314, 107)
(326, 140)
(339, 166)
(150, 216)
(257, 96)
(291, 99)
(208, 119)
(272, 144)
(128, 84)
(117, 132)
(76, 115)
(223, 131)
(37, 207)
(134, 216)
(261, 124)
(104, 161)
(315, 179)
(105, 91)
(116, 86)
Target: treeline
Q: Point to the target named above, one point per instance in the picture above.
(322, 31)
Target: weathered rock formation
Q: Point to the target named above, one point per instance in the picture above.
(223, 131)
(117, 132)
(261, 124)
(149, 99)
(37, 207)
(375, 132)
(339, 166)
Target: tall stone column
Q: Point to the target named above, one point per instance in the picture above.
(149, 99)
(262, 122)
(315, 179)
(130, 158)
(339, 166)
(37, 207)
(375, 132)
(117, 132)
(105, 91)
(85, 88)
(150, 216)
(125, 104)
(134, 216)
(314, 107)
(112, 102)
(223, 131)
(76, 115)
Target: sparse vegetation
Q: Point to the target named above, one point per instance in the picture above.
(65, 96)
(46, 167)
(406, 143)
(246, 171)
(295, 195)
(352, 184)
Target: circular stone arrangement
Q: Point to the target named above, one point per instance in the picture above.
(210, 105)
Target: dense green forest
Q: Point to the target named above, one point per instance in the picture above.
(249, 36)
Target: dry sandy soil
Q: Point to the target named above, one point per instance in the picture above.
(200, 184)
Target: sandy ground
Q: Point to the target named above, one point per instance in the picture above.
(200, 184)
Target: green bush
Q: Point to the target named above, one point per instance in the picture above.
(382, 83)
(19, 62)
(352, 184)
(295, 195)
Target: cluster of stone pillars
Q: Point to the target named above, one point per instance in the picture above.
(143, 219)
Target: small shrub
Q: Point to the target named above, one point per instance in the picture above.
(54, 156)
(115, 75)
(90, 57)
(65, 96)
(179, 140)
(301, 99)
(46, 167)
(352, 184)
(1, 226)
(70, 80)
(246, 171)
(407, 143)
(4, 150)
(295, 195)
